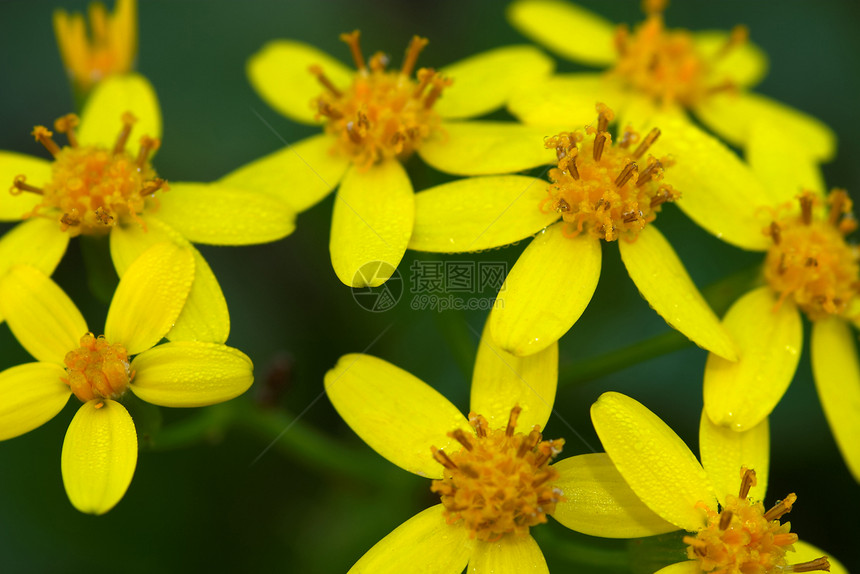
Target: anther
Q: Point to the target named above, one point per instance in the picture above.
(461, 438)
(599, 142)
(20, 185)
(571, 165)
(442, 458)
(479, 423)
(806, 201)
(67, 125)
(775, 232)
(317, 71)
(646, 143)
(628, 137)
(512, 420)
(781, 508)
(152, 186)
(147, 146)
(811, 262)
(128, 121)
(785, 539)
(352, 131)
(424, 75)
(812, 566)
(43, 136)
(439, 84)
(562, 205)
(415, 47)
(325, 109)
(632, 216)
(748, 480)
(626, 174)
(839, 205)
(352, 39)
(650, 172)
(529, 443)
(725, 519)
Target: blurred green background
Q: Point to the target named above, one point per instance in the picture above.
(203, 499)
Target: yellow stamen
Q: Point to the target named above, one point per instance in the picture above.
(43, 136)
(67, 125)
(97, 369)
(352, 40)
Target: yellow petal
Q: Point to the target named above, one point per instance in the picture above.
(101, 120)
(36, 242)
(484, 148)
(501, 381)
(782, 163)
(724, 452)
(566, 102)
(217, 214)
(718, 191)
(149, 297)
(280, 74)
(396, 414)
(664, 283)
(686, 567)
(837, 378)
(512, 553)
(744, 65)
(653, 460)
(191, 374)
(205, 316)
(732, 115)
(806, 552)
(99, 456)
(567, 29)
(37, 172)
(301, 174)
(30, 395)
(483, 83)
(479, 213)
(425, 540)
(740, 394)
(40, 314)
(373, 217)
(546, 291)
(598, 502)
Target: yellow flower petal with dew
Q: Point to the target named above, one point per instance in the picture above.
(149, 297)
(40, 314)
(99, 456)
(744, 65)
(479, 213)
(546, 291)
(837, 379)
(216, 214)
(686, 567)
(598, 501)
(396, 414)
(653, 460)
(372, 222)
(485, 148)
(501, 381)
(806, 552)
(740, 394)
(301, 174)
(190, 374)
(782, 164)
(567, 29)
(567, 99)
(109, 101)
(37, 171)
(511, 553)
(484, 82)
(724, 451)
(280, 74)
(719, 191)
(732, 115)
(424, 543)
(663, 281)
(30, 395)
(205, 316)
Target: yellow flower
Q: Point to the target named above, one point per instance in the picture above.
(103, 183)
(654, 70)
(100, 448)
(111, 47)
(649, 480)
(499, 448)
(599, 191)
(375, 117)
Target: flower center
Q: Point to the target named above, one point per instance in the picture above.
(600, 187)
(97, 369)
(92, 187)
(501, 481)
(664, 64)
(383, 114)
(743, 538)
(810, 259)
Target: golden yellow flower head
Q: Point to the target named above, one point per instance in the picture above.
(743, 538)
(110, 48)
(97, 369)
(665, 64)
(599, 187)
(500, 482)
(810, 260)
(384, 113)
(93, 188)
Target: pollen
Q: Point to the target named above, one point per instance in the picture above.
(665, 64)
(608, 190)
(743, 538)
(500, 482)
(92, 189)
(97, 369)
(385, 113)
(810, 262)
